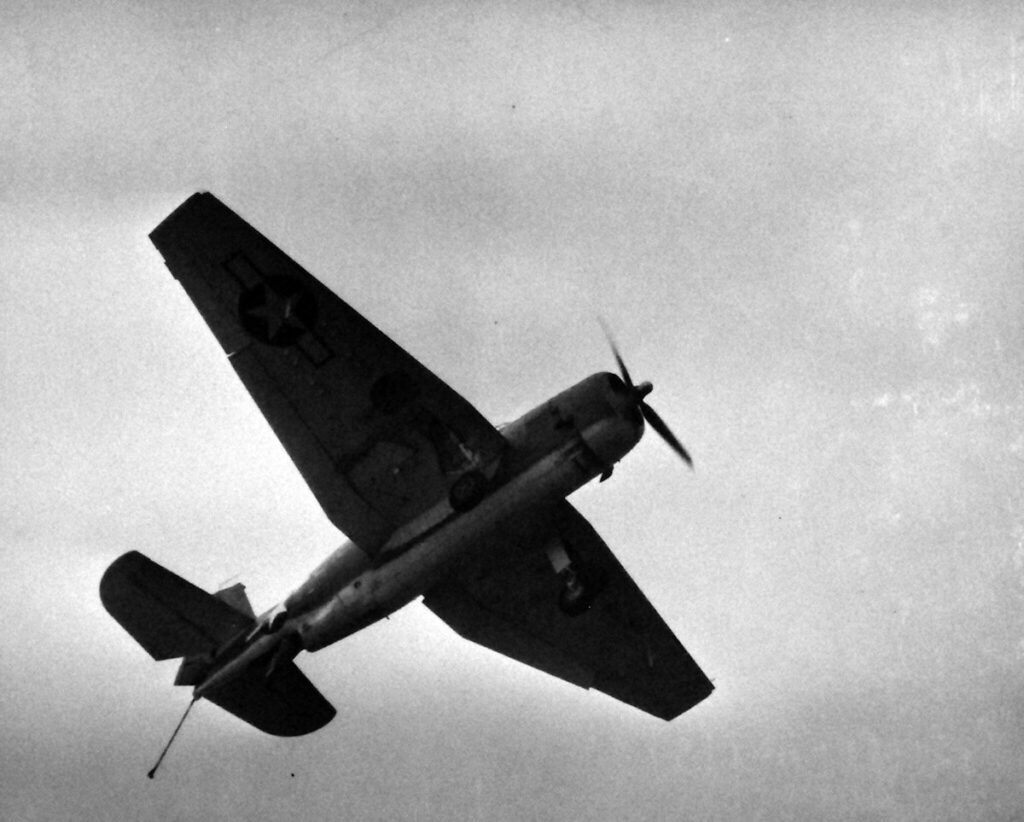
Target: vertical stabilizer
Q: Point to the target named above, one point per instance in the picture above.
(236, 598)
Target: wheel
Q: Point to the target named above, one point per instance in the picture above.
(578, 593)
(468, 490)
(275, 621)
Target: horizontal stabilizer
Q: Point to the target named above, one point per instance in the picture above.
(285, 703)
(167, 615)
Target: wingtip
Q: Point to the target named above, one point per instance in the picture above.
(115, 570)
(197, 199)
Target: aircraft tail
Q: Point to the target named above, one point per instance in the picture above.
(170, 617)
(167, 615)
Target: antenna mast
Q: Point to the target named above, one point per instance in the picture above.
(163, 753)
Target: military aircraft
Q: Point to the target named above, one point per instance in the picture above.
(437, 503)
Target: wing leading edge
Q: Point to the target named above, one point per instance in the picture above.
(508, 601)
(378, 438)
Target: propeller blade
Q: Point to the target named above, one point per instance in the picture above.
(658, 424)
(638, 393)
(618, 357)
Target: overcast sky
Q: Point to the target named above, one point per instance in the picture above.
(806, 227)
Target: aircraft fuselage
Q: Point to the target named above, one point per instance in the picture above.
(552, 450)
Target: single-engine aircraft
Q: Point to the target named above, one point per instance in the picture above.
(436, 501)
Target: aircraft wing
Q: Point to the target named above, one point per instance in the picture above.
(507, 600)
(378, 438)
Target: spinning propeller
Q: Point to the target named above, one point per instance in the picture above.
(638, 392)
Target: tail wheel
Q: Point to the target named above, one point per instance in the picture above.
(276, 621)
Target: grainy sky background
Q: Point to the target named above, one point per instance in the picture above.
(804, 222)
